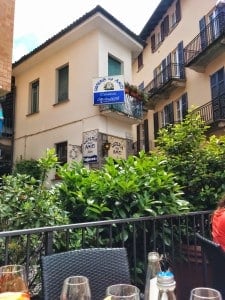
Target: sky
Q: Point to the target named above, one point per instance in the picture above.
(35, 21)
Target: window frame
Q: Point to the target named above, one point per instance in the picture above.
(60, 90)
(62, 159)
(117, 60)
(34, 94)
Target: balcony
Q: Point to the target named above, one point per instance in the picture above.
(131, 111)
(170, 235)
(169, 79)
(207, 45)
(213, 112)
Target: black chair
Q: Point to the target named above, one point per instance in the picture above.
(216, 258)
(102, 266)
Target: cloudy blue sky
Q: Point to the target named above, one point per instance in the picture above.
(38, 20)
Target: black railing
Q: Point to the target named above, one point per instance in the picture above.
(213, 31)
(171, 235)
(131, 107)
(212, 111)
(172, 71)
(6, 127)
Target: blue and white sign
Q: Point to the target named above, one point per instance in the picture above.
(90, 146)
(108, 90)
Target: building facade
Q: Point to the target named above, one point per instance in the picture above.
(7, 8)
(54, 93)
(182, 65)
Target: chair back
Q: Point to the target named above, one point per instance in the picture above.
(216, 257)
(102, 266)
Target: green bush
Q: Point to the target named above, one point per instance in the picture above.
(198, 162)
(29, 167)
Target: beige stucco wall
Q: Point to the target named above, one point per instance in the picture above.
(87, 59)
(197, 84)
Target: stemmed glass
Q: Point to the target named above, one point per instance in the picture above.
(204, 293)
(13, 283)
(122, 292)
(76, 288)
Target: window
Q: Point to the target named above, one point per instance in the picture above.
(167, 116)
(140, 60)
(63, 83)
(114, 66)
(181, 108)
(34, 97)
(61, 151)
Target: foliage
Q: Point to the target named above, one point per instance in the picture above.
(138, 186)
(28, 167)
(197, 161)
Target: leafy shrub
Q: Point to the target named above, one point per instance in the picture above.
(29, 167)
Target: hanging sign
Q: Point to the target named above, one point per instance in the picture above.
(108, 90)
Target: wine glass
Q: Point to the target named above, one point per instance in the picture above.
(76, 288)
(201, 293)
(13, 283)
(122, 292)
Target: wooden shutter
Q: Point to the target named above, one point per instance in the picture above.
(162, 31)
(203, 33)
(146, 138)
(138, 138)
(171, 114)
(184, 100)
(169, 66)
(178, 11)
(164, 71)
(153, 42)
(156, 124)
(180, 49)
(166, 25)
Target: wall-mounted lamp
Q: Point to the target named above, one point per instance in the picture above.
(106, 146)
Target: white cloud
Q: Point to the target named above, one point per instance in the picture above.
(38, 20)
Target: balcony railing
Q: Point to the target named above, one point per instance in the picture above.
(171, 77)
(131, 109)
(207, 45)
(213, 111)
(6, 127)
(171, 235)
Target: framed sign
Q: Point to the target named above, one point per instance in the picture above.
(108, 90)
(90, 146)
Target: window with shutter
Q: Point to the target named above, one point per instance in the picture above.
(178, 12)
(63, 83)
(153, 42)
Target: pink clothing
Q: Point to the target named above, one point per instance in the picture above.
(218, 227)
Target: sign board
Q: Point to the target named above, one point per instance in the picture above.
(117, 147)
(90, 146)
(108, 90)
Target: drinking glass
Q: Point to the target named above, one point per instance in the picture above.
(13, 283)
(201, 293)
(122, 292)
(76, 288)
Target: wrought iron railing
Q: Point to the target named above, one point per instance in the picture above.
(171, 235)
(172, 71)
(6, 127)
(131, 107)
(214, 30)
(212, 111)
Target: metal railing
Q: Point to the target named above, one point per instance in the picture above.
(214, 30)
(131, 107)
(172, 71)
(171, 235)
(212, 111)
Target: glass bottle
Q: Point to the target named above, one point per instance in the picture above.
(166, 285)
(151, 289)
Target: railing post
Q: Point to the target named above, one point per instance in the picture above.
(48, 243)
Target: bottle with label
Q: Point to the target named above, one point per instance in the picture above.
(151, 289)
(166, 286)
